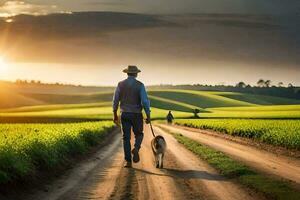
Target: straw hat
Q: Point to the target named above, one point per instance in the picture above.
(131, 69)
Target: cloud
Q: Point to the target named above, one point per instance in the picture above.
(13, 8)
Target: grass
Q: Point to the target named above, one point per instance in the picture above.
(275, 111)
(181, 102)
(11, 99)
(177, 100)
(271, 188)
(157, 113)
(99, 111)
(54, 107)
(72, 98)
(202, 99)
(280, 108)
(252, 115)
(77, 112)
(284, 133)
(25, 148)
(87, 112)
(163, 103)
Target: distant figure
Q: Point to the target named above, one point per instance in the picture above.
(170, 117)
(132, 97)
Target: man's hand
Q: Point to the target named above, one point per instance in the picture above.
(116, 119)
(148, 119)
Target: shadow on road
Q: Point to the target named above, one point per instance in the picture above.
(184, 174)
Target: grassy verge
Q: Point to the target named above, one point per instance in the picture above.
(26, 148)
(283, 133)
(272, 189)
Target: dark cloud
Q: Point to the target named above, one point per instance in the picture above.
(229, 37)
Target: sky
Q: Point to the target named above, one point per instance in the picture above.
(163, 6)
(172, 41)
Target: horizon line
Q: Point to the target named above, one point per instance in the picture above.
(29, 81)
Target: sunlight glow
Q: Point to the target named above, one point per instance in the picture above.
(9, 20)
(12, 8)
(3, 64)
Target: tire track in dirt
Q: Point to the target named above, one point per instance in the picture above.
(102, 176)
(92, 179)
(155, 183)
(125, 186)
(261, 160)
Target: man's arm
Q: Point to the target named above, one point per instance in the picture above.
(145, 103)
(116, 100)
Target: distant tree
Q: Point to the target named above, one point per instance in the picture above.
(280, 84)
(241, 84)
(248, 86)
(290, 85)
(32, 81)
(261, 83)
(196, 112)
(267, 83)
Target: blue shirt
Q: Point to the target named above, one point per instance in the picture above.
(132, 108)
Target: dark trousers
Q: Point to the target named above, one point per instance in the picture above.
(132, 121)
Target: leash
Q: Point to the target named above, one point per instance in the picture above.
(152, 131)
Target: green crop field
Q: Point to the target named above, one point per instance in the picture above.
(258, 108)
(11, 99)
(157, 113)
(284, 133)
(25, 148)
(262, 112)
(73, 113)
(210, 104)
(182, 102)
(55, 107)
(165, 103)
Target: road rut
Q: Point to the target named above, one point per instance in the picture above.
(102, 176)
(264, 161)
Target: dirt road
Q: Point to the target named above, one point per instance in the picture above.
(267, 162)
(103, 177)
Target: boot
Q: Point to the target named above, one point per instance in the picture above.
(136, 156)
(128, 164)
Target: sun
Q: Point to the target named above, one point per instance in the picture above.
(3, 64)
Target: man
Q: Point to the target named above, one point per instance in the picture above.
(170, 117)
(132, 96)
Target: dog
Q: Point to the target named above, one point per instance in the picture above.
(159, 146)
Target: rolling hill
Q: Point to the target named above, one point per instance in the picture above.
(12, 99)
(202, 99)
(33, 107)
(179, 100)
(258, 99)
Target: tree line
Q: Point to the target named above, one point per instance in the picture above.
(263, 83)
(262, 87)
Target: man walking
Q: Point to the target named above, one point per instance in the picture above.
(132, 96)
(170, 117)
